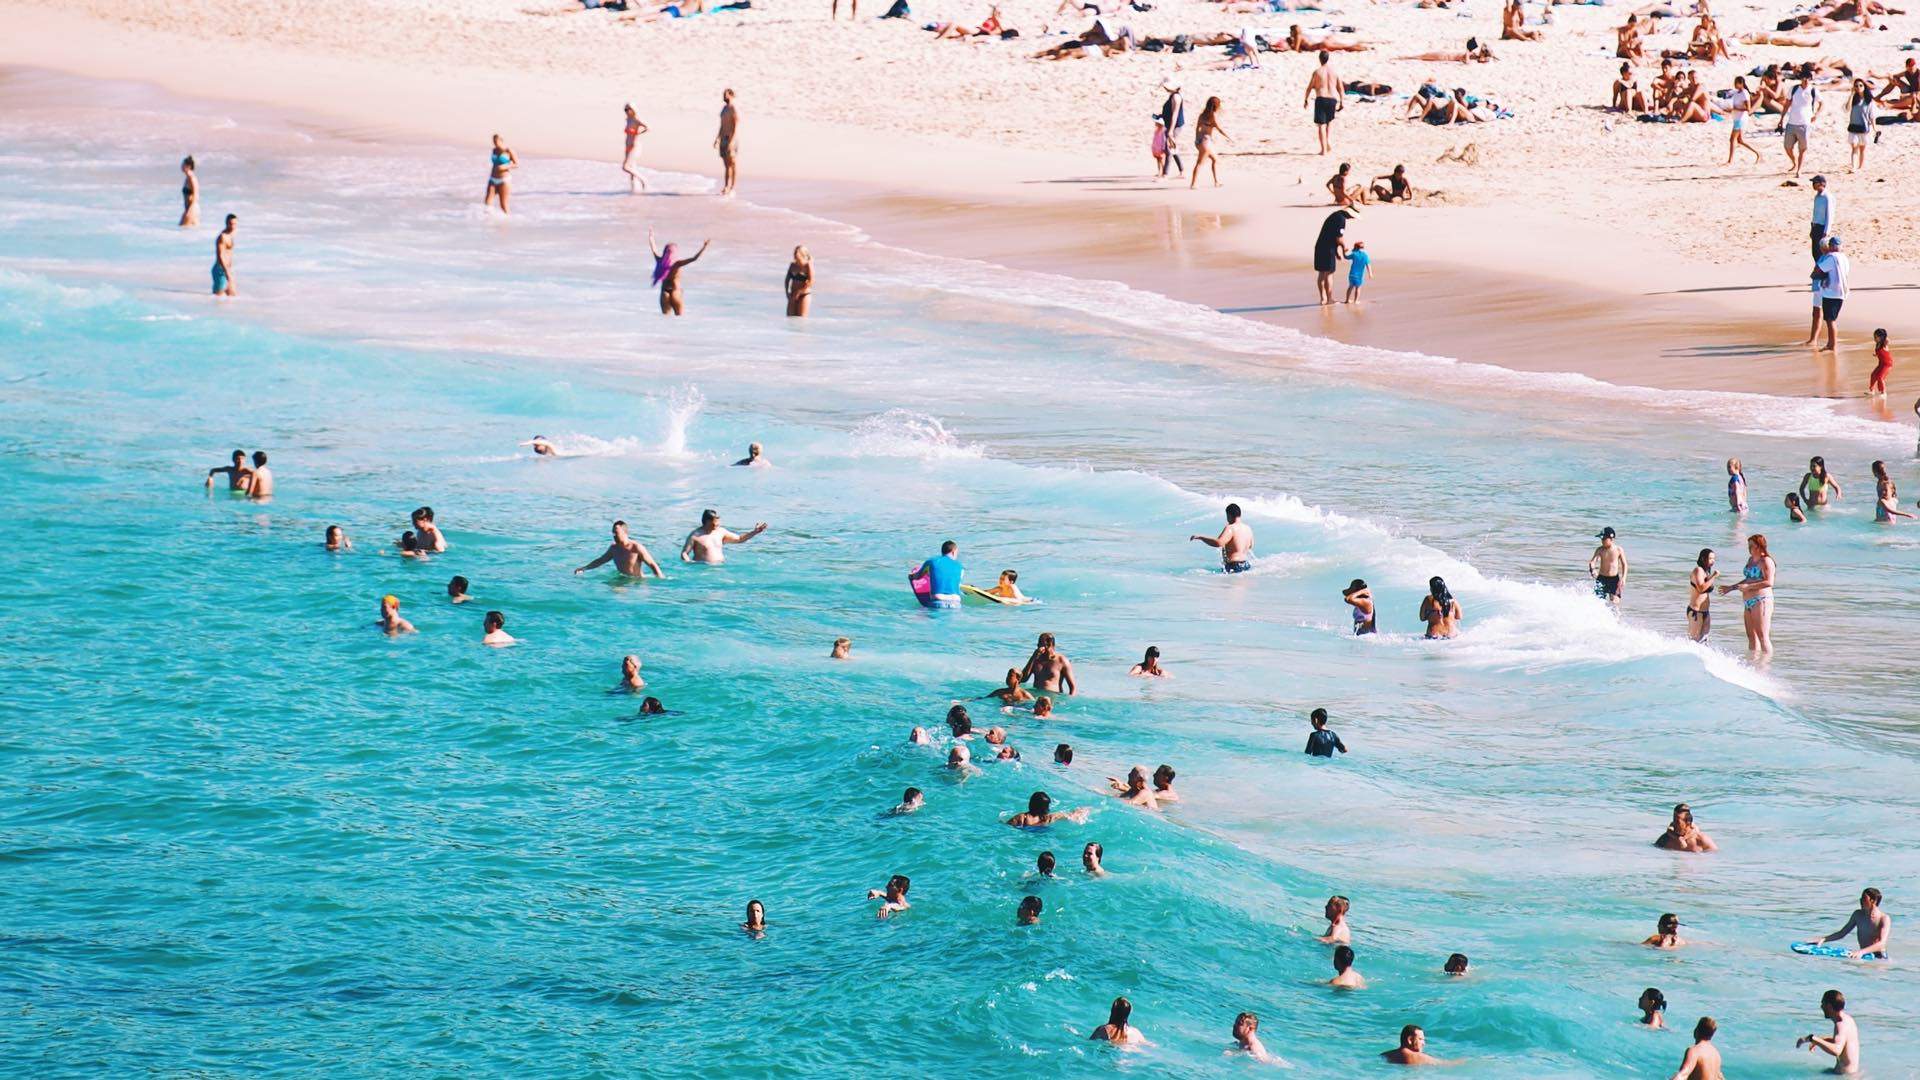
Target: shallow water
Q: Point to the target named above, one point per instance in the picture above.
(244, 832)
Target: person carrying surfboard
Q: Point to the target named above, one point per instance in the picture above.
(1871, 928)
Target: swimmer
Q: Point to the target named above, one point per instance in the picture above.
(996, 736)
(1042, 707)
(541, 447)
(1700, 595)
(892, 898)
(262, 486)
(756, 923)
(223, 258)
(189, 193)
(409, 546)
(666, 274)
(1246, 1039)
(498, 183)
(1360, 598)
(337, 539)
(1666, 933)
(1235, 542)
(959, 722)
(457, 590)
(1008, 588)
(1736, 486)
(495, 624)
(960, 760)
(1007, 753)
(1117, 1030)
(1870, 926)
(651, 706)
(1063, 754)
(431, 539)
(1440, 611)
(1149, 666)
(1090, 857)
(1456, 965)
(1412, 1049)
(919, 737)
(1048, 668)
(1029, 913)
(1608, 568)
(1886, 496)
(1163, 785)
(239, 474)
(1653, 1008)
(755, 459)
(1683, 835)
(1344, 977)
(1135, 790)
(1320, 741)
(842, 649)
(1844, 1043)
(390, 621)
(1817, 489)
(1701, 1061)
(799, 284)
(708, 543)
(628, 556)
(1795, 514)
(1045, 864)
(911, 800)
(630, 680)
(1338, 932)
(634, 129)
(1012, 693)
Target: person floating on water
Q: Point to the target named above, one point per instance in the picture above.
(630, 557)
(1322, 742)
(910, 802)
(1608, 567)
(755, 458)
(1040, 813)
(938, 579)
(1844, 1043)
(1235, 542)
(1870, 926)
(1008, 588)
(1048, 668)
(1360, 598)
(1700, 585)
(756, 924)
(708, 543)
(1440, 611)
(223, 258)
(1456, 965)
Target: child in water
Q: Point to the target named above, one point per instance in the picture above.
(1794, 513)
(1009, 587)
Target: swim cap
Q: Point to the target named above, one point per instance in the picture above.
(390, 599)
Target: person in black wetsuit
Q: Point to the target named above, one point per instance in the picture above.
(1322, 743)
(1330, 247)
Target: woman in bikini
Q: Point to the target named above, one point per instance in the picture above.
(189, 194)
(1203, 136)
(666, 274)
(799, 283)
(497, 186)
(1627, 95)
(1756, 589)
(1440, 611)
(1700, 595)
(1816, 487)
(635, 129)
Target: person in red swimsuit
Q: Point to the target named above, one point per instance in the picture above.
(1877, 382)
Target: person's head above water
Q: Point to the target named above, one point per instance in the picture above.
(1318, 718)
(709, 517)
(1009, 577)
(753, 450)
(1153, 655)
(1063, 754)
(259, 458)
(1042, 707)
(1705, 561)
(1412, 1038)
(1163, 777)
(959, 721)
(1456, 964)
(1437, 588)
(1342, 957)
(457, 587)
(1832, 1004)
(1046, 863)
(1652, 1001)
(1030, 907)
(1040, 804)
(1705, 1030)
(1358, 585)
(959, 757)
(1233, 512)
(494, 621)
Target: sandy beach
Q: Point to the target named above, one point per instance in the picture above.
(1577, 241)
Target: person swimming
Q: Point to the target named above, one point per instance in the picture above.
(1360, 598)
(457, 590)
(1029, 913)
(1456, 964)
(336, 539)
(496, 634)
(1117, 1030)
(959, 722)
(1338, 932)
(1063, 754)
(756, 923)
(1042, 707)
(893, 898)
(651, 706)
(842, 649)
(1666, 934)
(1149, 665)
(1044, 865)
(390, 621)
(910, 801)
(1090, 857)
(1653, 1007)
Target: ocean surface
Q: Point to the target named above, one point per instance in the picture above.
(242, 832)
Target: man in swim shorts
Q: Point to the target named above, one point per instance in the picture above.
(628, 556)
(1608, 567)
(1844, 1043)
(1871, 927)
(223, 259)
(727, 141)
(708, 543)
(1323, 93)
(1235, 542)
(754, 459)
(1702, 1061)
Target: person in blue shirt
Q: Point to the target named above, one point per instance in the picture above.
(1322, 743)
(1359, 265)
(943, 573)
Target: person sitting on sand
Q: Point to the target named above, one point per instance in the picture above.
(1770, 94)
(1627, 95)
(1345, 193)
(1474, 53)
(1012, 693)
(1666, 933)
(1683, 835)
(1691, 105)
(1395, 189)
(1040, 813)
(1903, 87)
(1135, 789)
(1513, 24)
(1707, 44)
(1008, 588)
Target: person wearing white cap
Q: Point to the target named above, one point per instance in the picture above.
(1832, 269)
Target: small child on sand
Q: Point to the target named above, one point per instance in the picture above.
(1360, 266)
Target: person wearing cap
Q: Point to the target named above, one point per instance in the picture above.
(1330, 247)
(1608, 568)
(1832, 270)
(1823, 216)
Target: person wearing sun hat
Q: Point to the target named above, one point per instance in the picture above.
(1330, 247)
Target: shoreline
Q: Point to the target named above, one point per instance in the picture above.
(1235, 249)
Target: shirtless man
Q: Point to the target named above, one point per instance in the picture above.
(495, 626)
(223, 259)
(1246, 1038)
(1412, 1049)
(754, 458)
(1235, 541)
(1871, 928)
(262, 487)
(390, 621)
(1844, 1043)
(727, 141)
(1702, 1061)
(1048, 669)
(431, 539)
(1344, 977)
(894, 897)
(1608, 568)
(628, 556)
(239, 474)
(707, 544)
(1323, 93)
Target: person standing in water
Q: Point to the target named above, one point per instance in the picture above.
(635, 129)
(1844, 1043)
(1886, 496)
(1870, 926)
(498, 186)
(1359, 263)
(1235, 542)
(628, 556)
(1412, 1049)
(755, 459)
(1360, 598)
(727, 141)
(239, 474)
(708, 543)
(390, 621)
(1608, 567)
(223, 258)
(1049, 668)
(1736, 486)
(1440, 611)
(1329, 248)
(189, 193)
(1817, 489)
(1700, 585)
(1117, 1030)
(1322, 742)
(666, 274)
(262, 486)
(799, 283)
(1701, 1061)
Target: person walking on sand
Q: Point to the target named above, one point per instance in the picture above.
(1803, 108)
(635, 129)
(1737, 103)
(223, 258)
(1824, 217)
(666, 274)
(1323, 93)
(1756, 589)
(1701, 1061)
(1235, 542)
(1882, 363)
(1359, 263)
(1700, 585)
(727, 140)
(498, 183)
(189, 193)
(1203, 135)
(1608, 568)
(799, 283)
(1833, 269)
(1329, 248)
(1173, 117)
(1844, 1043)
(853, 10)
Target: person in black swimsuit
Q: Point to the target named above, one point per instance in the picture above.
(1396, 188)
(1330, 247)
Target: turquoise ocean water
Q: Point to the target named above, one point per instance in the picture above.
(241, 832)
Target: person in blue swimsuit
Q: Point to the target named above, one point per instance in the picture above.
(943, 573)
(504, 162)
